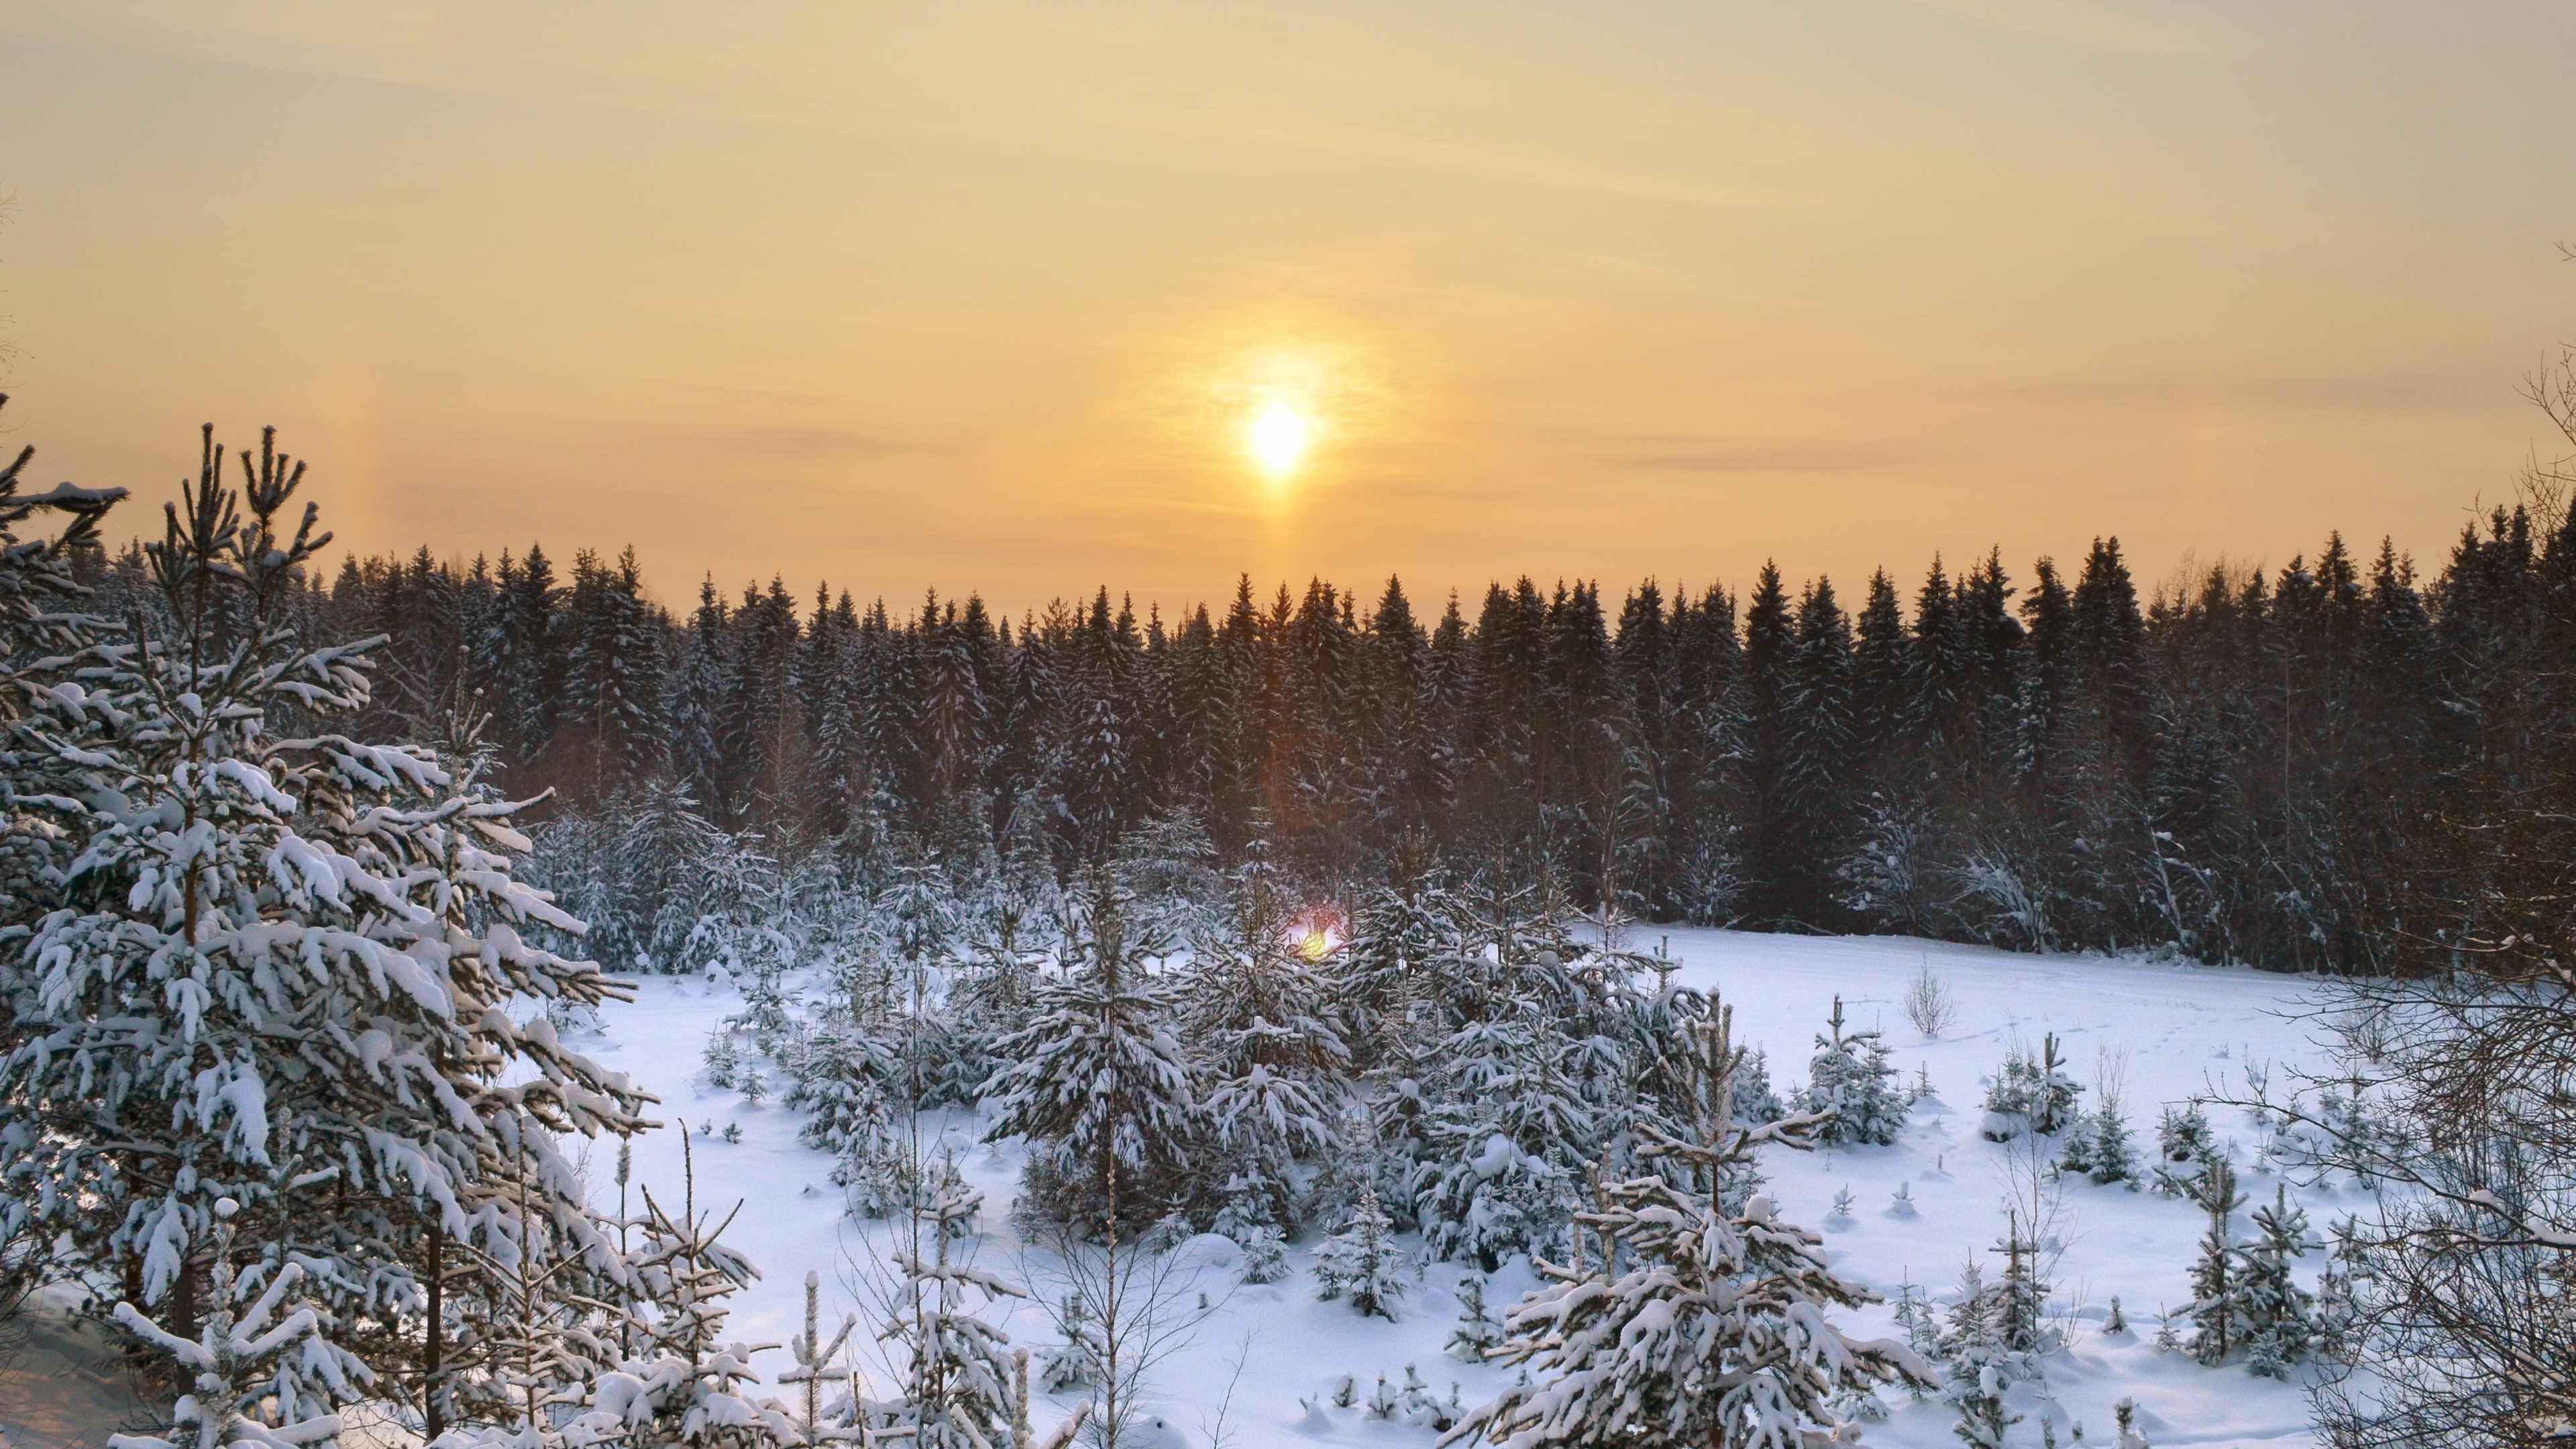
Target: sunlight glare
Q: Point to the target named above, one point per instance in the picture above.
(1278, 438)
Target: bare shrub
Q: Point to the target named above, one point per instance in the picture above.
(1928, 1003)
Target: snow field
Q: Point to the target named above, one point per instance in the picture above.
(1268, 1357)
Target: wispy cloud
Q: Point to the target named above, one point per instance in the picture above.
(2095, 24)
(1709, 455)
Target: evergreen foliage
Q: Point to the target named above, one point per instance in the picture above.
(1362, 1264)
(1850, 1088)
(1700, 1325)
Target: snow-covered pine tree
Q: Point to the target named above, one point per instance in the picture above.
(2030, 1093)
(537, 1326)
(363, 1109)
(2023, 1294)
(44, 614)
(1755, 1102)
(1477, 1334)
(958, 1372)
(2280, 1315)
(1265, 1256)
(1504, 1136)
(2184, 1149)
(1098, 1083)
(1851, 1086)
(815, 1367)
(2220, 1316)
(2124, 1415)
(687, 1387)
(1704, 1327)
(1276, 1064)
(2075, 1155)
(1362, 1263)
(254, 1377)
(1075, 1361)
(1977, 1366)
(2113, 1159)
(2053, 1101)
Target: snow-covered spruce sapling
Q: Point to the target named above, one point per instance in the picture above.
(1414, 1404)
(1850, 1087)
(2125, 1414)
(1477, 1334)
(722, 1058)
(1977, 1367)
(1913, 1314)
(1073, 1361)
(2220, 1316)
(2184, 1148)
(2030, 1094)
(1755, 1102)
(2075, 1153)
(1362, 1264)
(1265, 1258)
(2113, 1160)
(2008, 1095)
(2117, 1323)
(1382, 1403)
(254, 1377)
(1842, 1207)
(2022, 1295)
(814, 1367)
(1710, 1328)
(1902, 1204)
(2280, 1315)
(2053, 1104)
(687, 1385)
(957, 1369)
(1098, 1082)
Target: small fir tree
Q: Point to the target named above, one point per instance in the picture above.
(1477, 1334)
(1698, 1325)
(1362, 1263)
(2220, 1315)
(1978, 1367)
(1851, 1087)
(255, 1376)
(2113, 1159)
(2281, 1314)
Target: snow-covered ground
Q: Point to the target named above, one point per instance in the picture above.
(2185, 1030)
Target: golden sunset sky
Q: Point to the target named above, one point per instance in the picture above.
(989, 297)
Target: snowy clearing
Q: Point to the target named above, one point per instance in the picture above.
(2186, 1029)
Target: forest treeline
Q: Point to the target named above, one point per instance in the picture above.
(2296, 768)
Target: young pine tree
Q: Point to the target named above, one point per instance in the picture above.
(2281, 1315)
(1700, 1326)
(1477, 1334)
(255, 1378)
(1978, 1366)
(1097, 1082)
(1851, 1085)
(2220, 1315)
(958, 1380)
(1362, 1263)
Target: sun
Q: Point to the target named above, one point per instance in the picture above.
(1278, 438)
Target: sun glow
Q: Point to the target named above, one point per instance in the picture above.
(1278, 438)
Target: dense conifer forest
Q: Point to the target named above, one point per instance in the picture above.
(2296, 767)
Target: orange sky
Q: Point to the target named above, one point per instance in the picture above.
(971, 296)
